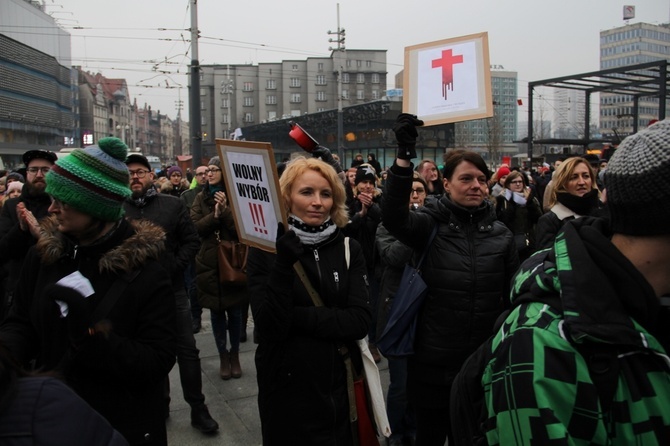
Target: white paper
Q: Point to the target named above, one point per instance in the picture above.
(75, 281)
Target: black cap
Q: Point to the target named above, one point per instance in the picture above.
(39, 154)
(137, 158)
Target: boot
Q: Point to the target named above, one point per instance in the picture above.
(202, 420)
(224, 369)
(235, 367)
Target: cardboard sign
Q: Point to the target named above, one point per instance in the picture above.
(448, 80)
(252, 185)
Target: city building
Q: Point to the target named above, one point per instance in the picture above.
(238, 96)
(38, 98)
(494, 137)
(569, 111)
(630, 44)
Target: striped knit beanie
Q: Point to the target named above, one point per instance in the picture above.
(637, 182)
(93, 180)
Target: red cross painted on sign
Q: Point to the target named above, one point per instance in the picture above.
(447, 63)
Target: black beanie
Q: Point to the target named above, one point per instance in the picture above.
(637, 182)
(365, 172)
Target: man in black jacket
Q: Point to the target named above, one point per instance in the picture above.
(181, 245)
(15, 235)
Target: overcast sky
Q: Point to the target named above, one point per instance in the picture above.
(539, 39)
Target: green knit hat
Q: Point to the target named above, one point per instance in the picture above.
(93, 180)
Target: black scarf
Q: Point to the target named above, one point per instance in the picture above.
(583, 205)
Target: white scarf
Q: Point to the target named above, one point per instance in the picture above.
(518, 197)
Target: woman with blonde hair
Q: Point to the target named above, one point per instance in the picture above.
(301, 372)
(574, 194)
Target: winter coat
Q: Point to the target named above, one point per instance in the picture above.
(364, 228)
(302, 387)
(120, 375)
(46, 412)
(538, 387)
(550, 223)
(181, 243)
(521, 220)
(211, 294)
(467, 269)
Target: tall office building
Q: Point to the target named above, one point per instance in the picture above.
(235, 96)
(630, 45)
(569, 112)
(494, 136)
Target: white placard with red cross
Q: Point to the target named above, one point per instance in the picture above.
(448, 80)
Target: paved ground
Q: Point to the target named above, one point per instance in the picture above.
(232, 403)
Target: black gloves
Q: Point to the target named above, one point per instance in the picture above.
(79, 314)
(289, 247)
(406, 134)
(326, 156)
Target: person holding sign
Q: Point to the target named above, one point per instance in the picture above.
(468, 270)
(302, 379)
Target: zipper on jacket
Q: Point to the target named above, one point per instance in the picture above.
(316, 259)
(336, 278)
(74, 252)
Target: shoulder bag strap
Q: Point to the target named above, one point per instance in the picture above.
(430, 242)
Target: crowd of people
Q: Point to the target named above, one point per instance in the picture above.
(108, 266)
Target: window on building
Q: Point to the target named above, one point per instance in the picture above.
(368, 63)
(203, 120)
(248, 101)
(320, 96)
(360, 78)
(360, 94)
(202, 105)
(271, 84)
(348, 63)
(294, 68)
(203, 92)
(358, 63)
(345, 94)
(295, 98)
(271, 99)
(375, 78)
(320, 79)
(295, 82)
(375, 94)
(224, 118)
(272, 115)
(248, 86)
(225, 103)
(345, 78)
(248, 117)
(320, 66)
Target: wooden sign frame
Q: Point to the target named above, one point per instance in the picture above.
(252, 185)
(448, 80)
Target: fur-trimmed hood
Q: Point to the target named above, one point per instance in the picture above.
(147, 242)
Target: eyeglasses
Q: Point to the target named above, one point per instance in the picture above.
(201, 174)
(59, 204)
(213, 170)
(34, 170)
(139, 173)
(516, 182)
(419, 190)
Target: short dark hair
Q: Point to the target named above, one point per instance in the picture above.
(456, 157)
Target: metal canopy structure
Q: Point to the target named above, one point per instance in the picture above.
(642, 80)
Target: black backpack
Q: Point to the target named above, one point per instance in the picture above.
(467, 409)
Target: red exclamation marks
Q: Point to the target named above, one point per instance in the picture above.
(257, 216)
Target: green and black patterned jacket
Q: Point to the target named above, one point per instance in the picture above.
(538, 390)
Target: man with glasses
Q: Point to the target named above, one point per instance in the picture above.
(181, 245)
(189, 275)
(16, 214)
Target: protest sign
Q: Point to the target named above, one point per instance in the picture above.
(448, 80)
(252, 185)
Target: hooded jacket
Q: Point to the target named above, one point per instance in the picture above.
(120, 375)
(538, 387)
(467, 269)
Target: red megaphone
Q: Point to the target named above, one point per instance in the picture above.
(301, 137)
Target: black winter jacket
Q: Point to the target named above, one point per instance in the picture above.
(301, 374)
(468, 271)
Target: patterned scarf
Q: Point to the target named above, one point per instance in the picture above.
(311, 235)
(140, 202)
